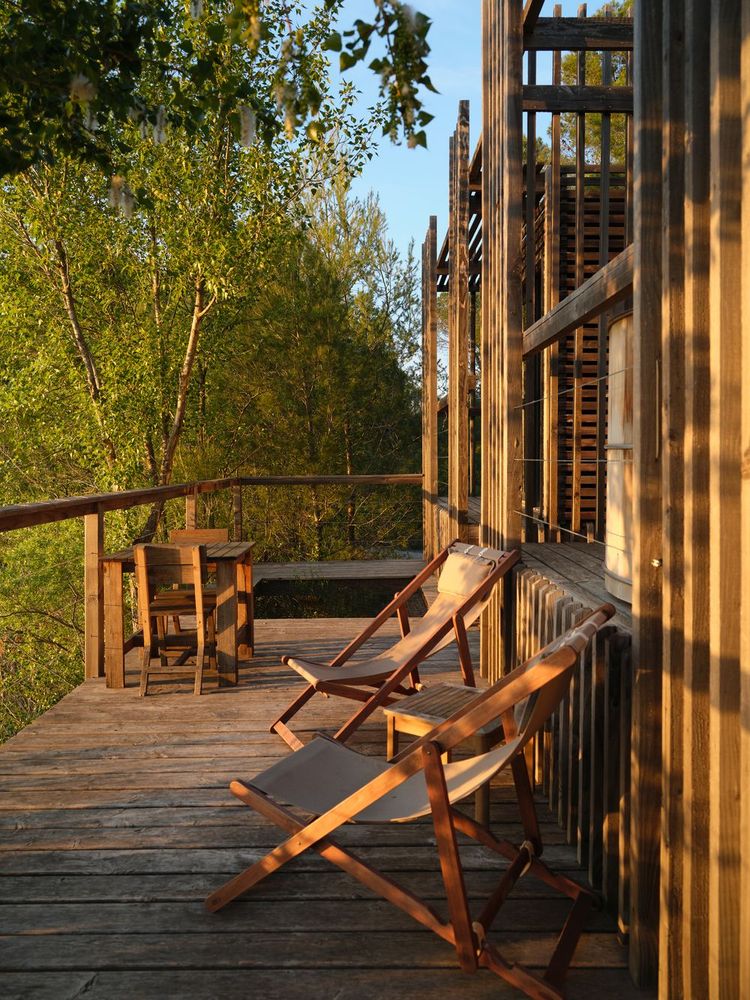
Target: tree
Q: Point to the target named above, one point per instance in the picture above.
(72, 75)
(593, 61)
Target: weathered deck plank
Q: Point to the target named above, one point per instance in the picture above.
(115, 822)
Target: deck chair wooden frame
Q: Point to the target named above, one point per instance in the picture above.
(163, 566)
(523, 700)
(387, 686)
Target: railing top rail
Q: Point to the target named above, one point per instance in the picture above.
(26, 515)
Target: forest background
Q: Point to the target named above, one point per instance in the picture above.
(188, 291)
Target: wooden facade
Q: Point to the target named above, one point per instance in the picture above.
(664, 231)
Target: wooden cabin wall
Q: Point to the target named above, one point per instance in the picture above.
(691, 697)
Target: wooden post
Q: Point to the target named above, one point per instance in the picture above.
(458, 330)
(94, 590)
(580, 275)
(490, 527)
(191, 511)
(551, 299)
(601, 360)
(237, 527)
(744, 838)
(510, 465)
(647, 541)
(531, 391)
(673, 474)
(429, 390)
(726, 570)
(697, 529)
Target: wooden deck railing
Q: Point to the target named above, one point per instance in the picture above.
(93, 507)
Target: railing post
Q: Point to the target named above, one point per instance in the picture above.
(237, 511)
(191, 510)
(94, 595)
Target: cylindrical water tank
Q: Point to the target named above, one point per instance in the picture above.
(618, 562)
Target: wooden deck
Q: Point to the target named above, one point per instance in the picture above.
(116, 822)
(577, 568)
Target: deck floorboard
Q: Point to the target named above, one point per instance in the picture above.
(116, 821)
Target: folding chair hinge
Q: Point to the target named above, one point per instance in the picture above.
(527, 846)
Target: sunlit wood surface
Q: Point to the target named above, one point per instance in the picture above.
(116, 822)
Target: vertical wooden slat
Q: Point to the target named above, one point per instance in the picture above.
(510, 294)
(744, 837)
(601, 361)
(647, 541)
(672, 467)
(579, 279)
(191, 511)
(490, 515)
(458, 329)
(724, 493)
(617, 648)
(237, 526)
(552, 297)
(94, 595)
(697, 529)
(599, 736)
(429, 390)
(531, 410)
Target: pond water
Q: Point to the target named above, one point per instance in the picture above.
(329, 598)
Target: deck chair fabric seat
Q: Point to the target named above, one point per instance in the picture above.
(467, 578)
(325, 772)
(335, 785)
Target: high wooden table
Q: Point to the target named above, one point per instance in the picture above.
(232, 563)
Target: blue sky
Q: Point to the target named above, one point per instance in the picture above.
(413, 183)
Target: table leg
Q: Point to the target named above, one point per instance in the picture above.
(391, 736)
(245, 609)
(226, 621)
(114, 626)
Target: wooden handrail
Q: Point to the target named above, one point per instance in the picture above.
(48, 511)
(608, 285)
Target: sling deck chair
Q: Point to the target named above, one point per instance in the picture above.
(337, 785)
(469, 574)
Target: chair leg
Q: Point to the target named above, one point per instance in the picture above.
(450, 862)
(280, 727)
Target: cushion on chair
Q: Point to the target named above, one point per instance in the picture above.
(462, 574)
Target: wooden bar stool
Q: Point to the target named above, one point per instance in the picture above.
(420, 713)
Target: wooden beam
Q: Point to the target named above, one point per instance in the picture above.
(580, 277)
(509, 460)
(673, 341)
(572, 34)
(429, 391)
(560, 99)
(697, 516)
(458, 329)
(531, 11)
(727, 464)
(609, 285)
(646, 770)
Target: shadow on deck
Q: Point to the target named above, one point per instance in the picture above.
(116, 823)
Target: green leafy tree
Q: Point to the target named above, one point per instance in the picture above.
(72, 75)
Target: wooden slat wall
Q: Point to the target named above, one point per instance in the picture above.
(429, 389)
(458, 327)
(578, 759)
(691, 589)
